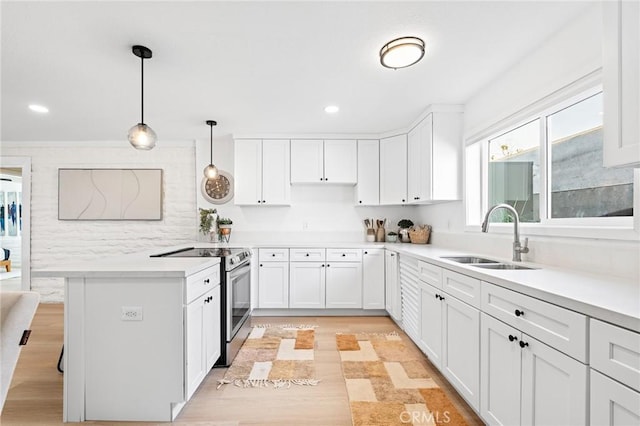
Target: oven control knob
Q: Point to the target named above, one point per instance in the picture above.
(232, 260)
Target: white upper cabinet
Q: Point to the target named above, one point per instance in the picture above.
(368, 186)
(261, 170)
(319, 161)
(393, 170)
(621, 83)
(434, 161)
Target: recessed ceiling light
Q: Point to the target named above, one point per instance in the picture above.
(39, 108)
(402, 52)
(331, 109)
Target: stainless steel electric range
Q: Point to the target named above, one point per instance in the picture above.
(235, 280)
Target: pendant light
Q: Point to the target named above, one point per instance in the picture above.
(402, 52)
(211, 171)
(142, 136)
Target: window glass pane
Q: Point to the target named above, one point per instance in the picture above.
(580, 185)
(514, 172)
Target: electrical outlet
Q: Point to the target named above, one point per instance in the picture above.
(305, 225)
(131, 313)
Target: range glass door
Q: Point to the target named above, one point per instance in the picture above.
(238, 298)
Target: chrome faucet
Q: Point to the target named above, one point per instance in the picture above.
(518, 249)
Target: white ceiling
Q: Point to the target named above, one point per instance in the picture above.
(255, 67)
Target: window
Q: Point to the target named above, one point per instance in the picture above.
(548, 166)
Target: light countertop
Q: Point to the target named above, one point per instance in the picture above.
(610, 299)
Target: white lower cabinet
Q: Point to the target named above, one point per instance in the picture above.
(373, 279)
(527, 382)
(393, 299)
(450, 337)
(202, 337)
(612, 403)
(273, 285)
(307, 285)
(343, 285)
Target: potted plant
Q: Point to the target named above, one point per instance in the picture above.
(224, 225)
(392, 237)
(404, 226)
(208, 220)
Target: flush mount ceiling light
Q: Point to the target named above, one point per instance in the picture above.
(402, 52)
(142, 136)
(331, 109)
(39, 108)
(211, 171)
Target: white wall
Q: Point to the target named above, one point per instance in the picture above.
(570, 54)
(54, 241)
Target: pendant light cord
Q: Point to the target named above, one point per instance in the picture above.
(142, 90)
(211, 143)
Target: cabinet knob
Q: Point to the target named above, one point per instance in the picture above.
(328, 265)
(441, 297)
(264, 201)
(307, 254)
(206, 281)
(261, 265)
(392, 254)
(437, 296)
(519, 313)
(273, 255)
(321, 179)
(366, 252)
(259, 201)
(360, 201)
(326, 179)
(523, 344)
(512, 338)
(343, 255)
(322, 265)
(403, 200)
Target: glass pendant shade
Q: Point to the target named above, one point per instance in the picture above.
(142, 137)
(211, 171)
(402, 52)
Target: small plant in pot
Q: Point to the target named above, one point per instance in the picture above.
(404, 226)
(224, 225)
(208, 221)
(392, 237)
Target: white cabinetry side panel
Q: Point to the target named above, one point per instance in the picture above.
(410, 296)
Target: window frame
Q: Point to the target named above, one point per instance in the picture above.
(618, 228)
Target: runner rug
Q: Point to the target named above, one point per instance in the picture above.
(388, 384)
(274, 356)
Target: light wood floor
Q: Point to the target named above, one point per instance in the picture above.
(35, 396)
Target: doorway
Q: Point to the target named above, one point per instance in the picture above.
(15, 237)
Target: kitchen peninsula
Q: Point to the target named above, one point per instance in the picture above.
(140, 335)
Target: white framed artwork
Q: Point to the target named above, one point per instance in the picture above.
(110, 194)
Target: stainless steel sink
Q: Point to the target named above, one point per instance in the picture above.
(468, 259)
(502, 266)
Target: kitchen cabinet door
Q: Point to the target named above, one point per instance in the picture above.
(273, 285)
(276, 184)
(554, 386)
(419, 161)
(340, 161)
(307, 161)
(461, 348)
(211, 327)
(392, 287)
(621, 83)
(248, 171)
(612, 404)
(373, 277)
(368, 186)
(431, 323)
(344, 285)
(443, 135)
(195, 344)
(307, 285)
(393, 170)
(500, 372)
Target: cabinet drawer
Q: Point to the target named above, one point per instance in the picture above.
(615, 352)
(307, 255)
(560, 328)
(430, 274)
(273, 255)
(344, 255)
(462, 287)
(201, 282)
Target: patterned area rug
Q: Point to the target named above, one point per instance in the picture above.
(388, 384)
(278, 356)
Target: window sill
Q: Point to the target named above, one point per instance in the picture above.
(621, 233)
